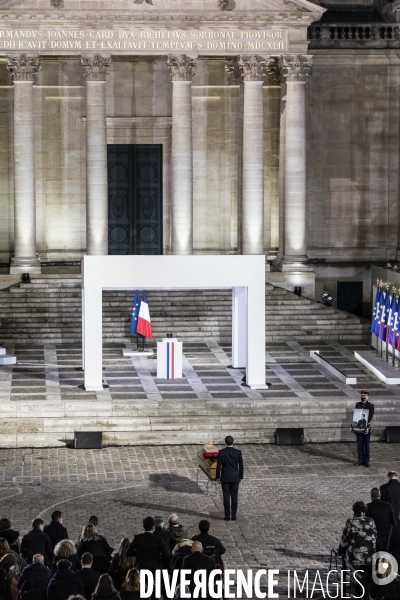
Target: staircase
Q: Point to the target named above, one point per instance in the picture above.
(48, 310)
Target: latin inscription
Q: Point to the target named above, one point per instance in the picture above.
(143, 41)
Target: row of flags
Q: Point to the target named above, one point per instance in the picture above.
(140, 321)
(386, 317)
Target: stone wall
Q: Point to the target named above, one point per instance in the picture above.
(353, 155)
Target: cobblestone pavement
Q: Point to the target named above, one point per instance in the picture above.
(293, 502)
(53, 373)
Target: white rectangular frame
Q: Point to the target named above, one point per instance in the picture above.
(245, 275)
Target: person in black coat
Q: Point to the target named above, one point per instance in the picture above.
(64, 583)
(36, 542)
(382, 514)
(9, 534)
(94, 543)
(121, 563)
(394, 540)
(212, 546)
(229, 475)
(35, 576)
(131, 586)
(66, 549)
(55, 529)
(198, 561)
(149, 549)
(363, 439)
(88, 576)
(390, 492)
(164, 534)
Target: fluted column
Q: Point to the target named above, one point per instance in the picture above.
(252, 69)
(96, 70)
(182, 70)
(24, 69)
(295, 70)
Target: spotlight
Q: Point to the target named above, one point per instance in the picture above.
(326, 299)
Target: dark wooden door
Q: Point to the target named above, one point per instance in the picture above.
(135, 199)
(350, 297)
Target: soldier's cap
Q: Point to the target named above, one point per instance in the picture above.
(364, 392)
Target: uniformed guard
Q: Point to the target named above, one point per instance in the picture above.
(363, 439)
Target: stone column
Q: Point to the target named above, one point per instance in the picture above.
(295, 70)
(96, 70)
(182, 70)
(252, 69)
(24, 71)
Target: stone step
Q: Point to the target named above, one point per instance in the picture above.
(49, 309)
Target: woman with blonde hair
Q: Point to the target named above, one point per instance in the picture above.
(65, 549)
(131, 586)
(121, 563)
(91, 541)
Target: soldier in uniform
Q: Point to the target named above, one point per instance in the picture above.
(363, 439)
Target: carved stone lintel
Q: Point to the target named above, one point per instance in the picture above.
(182, 67)
(252, 67)
(295, 67)
(96, 67)
(24, 67)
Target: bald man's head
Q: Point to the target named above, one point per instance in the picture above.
(197, 547)
(38, 558)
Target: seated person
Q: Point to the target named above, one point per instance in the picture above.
(212, 546)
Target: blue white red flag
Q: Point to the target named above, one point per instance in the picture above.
(135, 312)
(389, 320)
(378, 310)
(395, 323)
(144, 323)
(375, 310)
(384, 317)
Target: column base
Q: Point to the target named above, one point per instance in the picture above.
(25, 265)
(290, 264)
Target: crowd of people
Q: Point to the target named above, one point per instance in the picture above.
(46, 565)
(375, 528)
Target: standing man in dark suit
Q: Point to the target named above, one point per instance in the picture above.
(37, 542)
(390, 492)
(229, 475)
(55, 529)
(363, 439)
(382, 514)
(149, 549)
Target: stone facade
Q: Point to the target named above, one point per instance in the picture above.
(286, 158)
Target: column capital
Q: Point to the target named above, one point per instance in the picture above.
(181, 66)
(96, 67)
(251, 67)
(295, 67)
(24, 67)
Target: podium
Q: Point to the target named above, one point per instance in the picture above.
(169, 359)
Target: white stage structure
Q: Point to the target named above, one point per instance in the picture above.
(245, 275)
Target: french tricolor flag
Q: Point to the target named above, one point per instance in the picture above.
(143, 323)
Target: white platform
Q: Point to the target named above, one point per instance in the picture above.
(245, 275)
(7, 359)
(132, 352)
(378, 367)
(327, 365)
